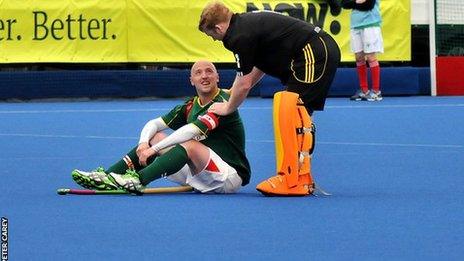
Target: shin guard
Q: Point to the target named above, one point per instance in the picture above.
(294, 142)
(285, 115)
(306, 135)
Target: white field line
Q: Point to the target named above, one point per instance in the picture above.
(65, 136)
(81, 111)
(371, 106)
(242, 108)
(378, 144)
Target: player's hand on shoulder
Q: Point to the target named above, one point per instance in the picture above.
(219, 108)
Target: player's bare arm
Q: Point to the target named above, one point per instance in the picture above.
(239, 91)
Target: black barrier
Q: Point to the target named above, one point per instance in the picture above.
(27, 85)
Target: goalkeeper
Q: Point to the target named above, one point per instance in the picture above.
(206, 151)
(303, 57)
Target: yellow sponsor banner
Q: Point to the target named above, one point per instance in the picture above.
(63, 31)
(161, 31)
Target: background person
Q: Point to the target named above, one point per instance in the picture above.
(366, 41)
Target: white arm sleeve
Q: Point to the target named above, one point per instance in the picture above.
(184, 133)
(151, 128)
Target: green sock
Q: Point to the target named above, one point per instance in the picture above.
(121, 166)
(166, 164)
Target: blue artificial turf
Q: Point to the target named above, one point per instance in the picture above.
(395, 169)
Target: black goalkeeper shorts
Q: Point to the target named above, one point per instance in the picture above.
(313, 70)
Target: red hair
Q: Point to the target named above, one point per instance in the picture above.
(213, 14)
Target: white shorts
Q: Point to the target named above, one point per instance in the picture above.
(217, 177)
(367, 40)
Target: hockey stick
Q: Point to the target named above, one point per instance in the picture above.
(66, 191)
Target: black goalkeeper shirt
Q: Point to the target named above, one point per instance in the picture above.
(267, 40)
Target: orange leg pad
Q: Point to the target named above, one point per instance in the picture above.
(306, 141)
(286, 142)
(294, 138)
